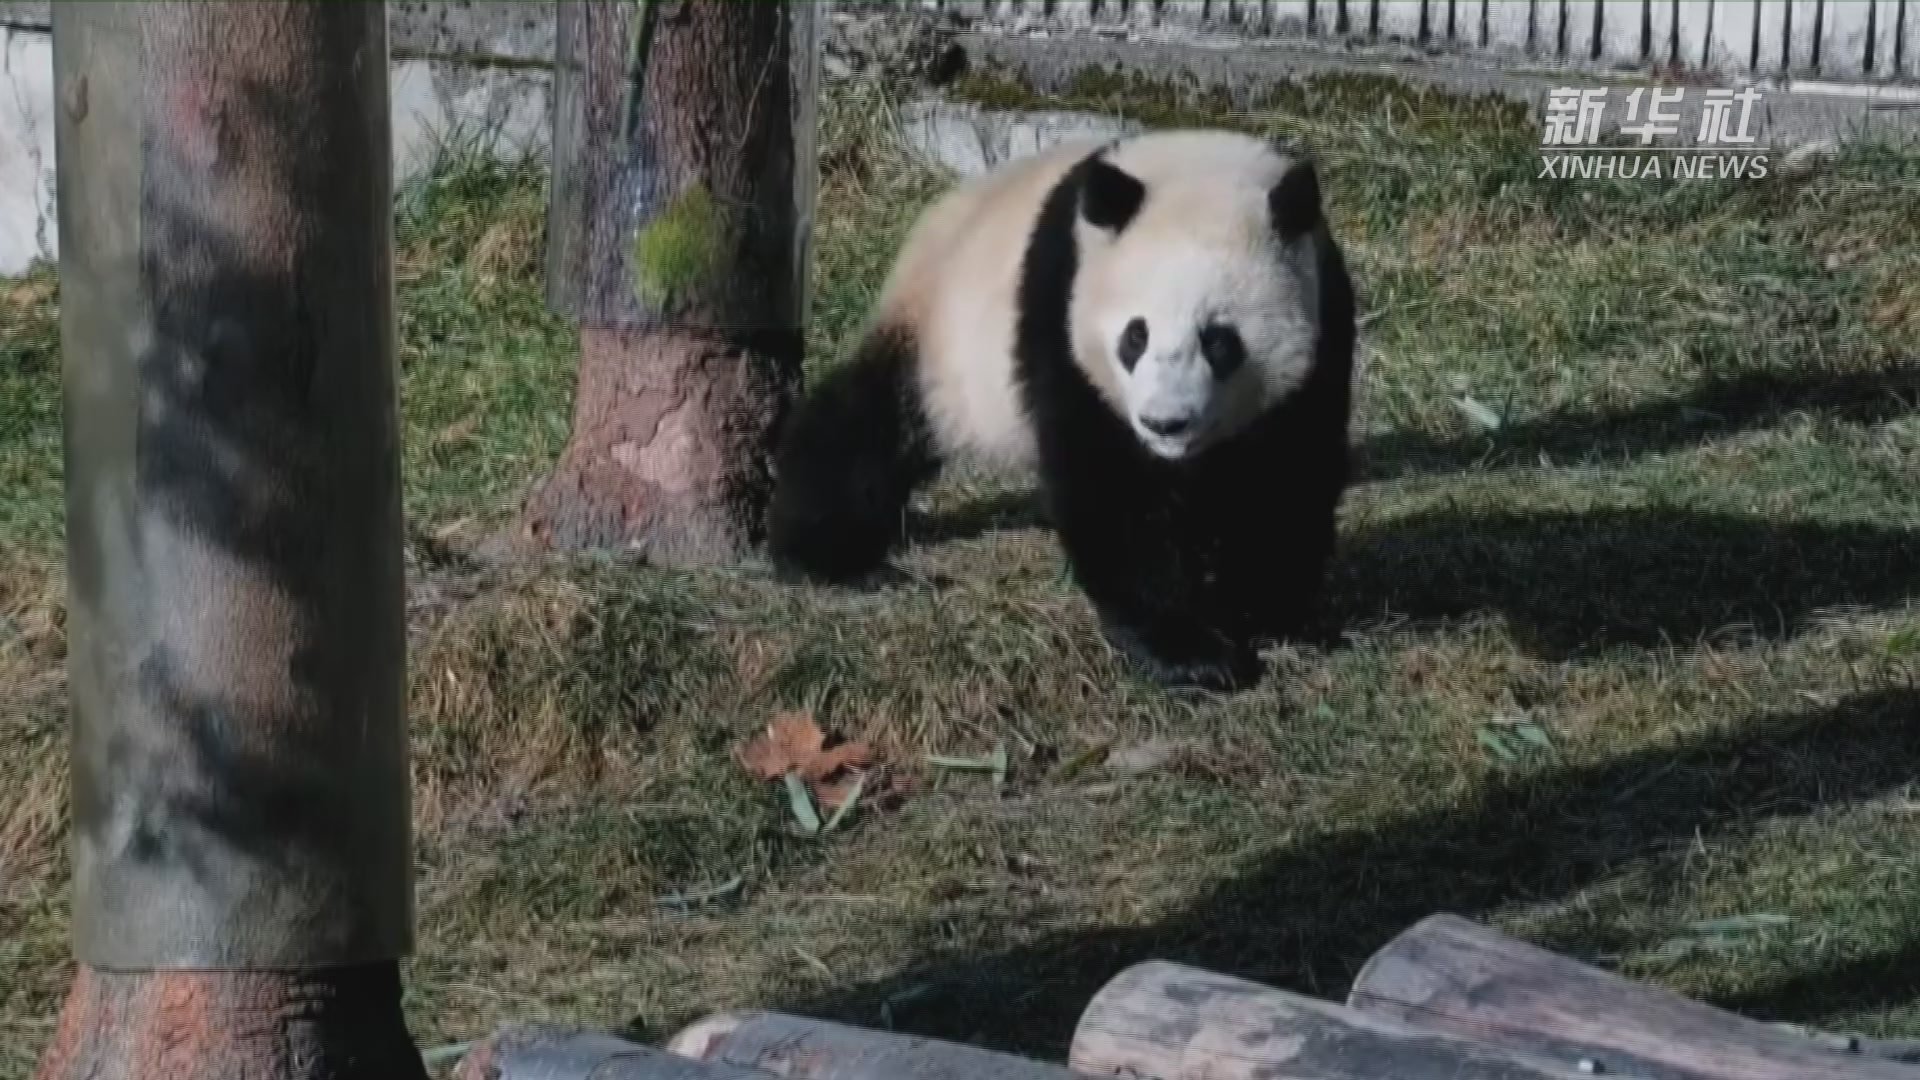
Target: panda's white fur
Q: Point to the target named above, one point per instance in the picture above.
(1161, 327)
(955, 281)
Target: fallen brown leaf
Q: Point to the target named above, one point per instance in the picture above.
(853, 755)
(831, 794)
(790, 738)
(793, 742)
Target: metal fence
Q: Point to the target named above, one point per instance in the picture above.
(1852, 40)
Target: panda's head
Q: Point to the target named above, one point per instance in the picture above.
(1195, 306)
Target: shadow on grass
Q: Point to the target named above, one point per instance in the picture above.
(1314, 910)
(1580, 582)
(1312, 913)
(1000, 512)
(1720, 408)
(1869, 983)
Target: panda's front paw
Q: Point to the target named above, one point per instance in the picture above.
(1223, 675)
(1190, 659)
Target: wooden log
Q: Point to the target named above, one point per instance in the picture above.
(1907, 1050)
(1447, 974)
(545, 1053)
(1165, 1021)
(799, 1048)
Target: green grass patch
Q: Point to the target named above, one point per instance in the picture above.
(1628, 585)
(30, 467)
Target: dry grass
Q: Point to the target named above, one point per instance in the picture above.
(33, 814)
(1688, 554)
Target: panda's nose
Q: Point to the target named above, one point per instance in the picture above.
(1168, 427)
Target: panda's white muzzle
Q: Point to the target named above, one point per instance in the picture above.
(1169, 398)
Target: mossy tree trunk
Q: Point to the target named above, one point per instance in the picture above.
(241, 851)
(678, 241)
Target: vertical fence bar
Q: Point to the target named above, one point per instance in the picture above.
(1622, 26)
(1400, 19)
(1693, 22)
(1848, 30)
(1508, 24)
(1907, 48)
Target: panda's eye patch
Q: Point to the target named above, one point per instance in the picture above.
(1224, 350)
(1133, 342)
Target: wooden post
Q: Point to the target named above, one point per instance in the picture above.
(1447, 974)
(683, 181)
(1164, 1021)
(539, 1053)
(240, 809)
(797, 1048)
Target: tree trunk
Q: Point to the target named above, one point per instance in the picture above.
(241, 850)
(670, 454)
(678, 240)
(191, 1025)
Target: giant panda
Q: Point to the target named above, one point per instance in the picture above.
(1162, 328)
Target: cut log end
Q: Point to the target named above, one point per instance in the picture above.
(702, 1039)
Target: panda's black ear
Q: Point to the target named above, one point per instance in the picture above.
(1109, 197)
(1294, 202)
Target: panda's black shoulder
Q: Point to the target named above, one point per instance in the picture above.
(1106, 196)
(1047, 269)
(1063, 406)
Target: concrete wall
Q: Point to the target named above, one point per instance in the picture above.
(26, 149)
(471, 71)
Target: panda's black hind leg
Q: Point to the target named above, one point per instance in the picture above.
(848, 461)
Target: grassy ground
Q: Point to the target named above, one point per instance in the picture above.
(1687, 554)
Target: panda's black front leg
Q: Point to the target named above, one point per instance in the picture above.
(1269, 575)
(1176, 650)
(1145, 578)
